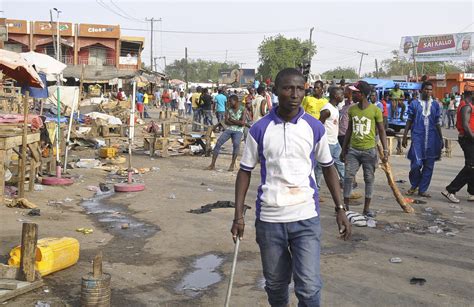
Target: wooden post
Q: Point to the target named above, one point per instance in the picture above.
(207, 152)
(391, 182)
(97, 266)
(29, 238)
(22, 162)
(2, 175)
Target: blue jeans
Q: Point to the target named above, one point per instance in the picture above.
(207, 117)
(335, 154)
(197, 115)
(354, 159)
(236, 137)
(220, 116)
(291, 249)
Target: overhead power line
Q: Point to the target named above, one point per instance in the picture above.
(218, 33)
(110, 9)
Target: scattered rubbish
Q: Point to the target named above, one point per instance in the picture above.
(450, 234)
(202, 183)
(400, 181)
(88, 163)
(459, 212)
(459, 217)
(103, 187)
(395, 260)
(210, 190)
(10, 191)
(155, 168)
(125, 226)
(454, 206)
(371, 223)
(42, 304)
(435, 229)
(172, 196)
(85, 231)
(68, 200)
(34, 212)
(417, 280)
(429, 209)
(93, 188)
(203, 276)
(419, 201)
(23, 220)
(22, 203)
(219, 204)
(46, 290)
(38, 187)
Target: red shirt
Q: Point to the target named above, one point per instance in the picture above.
(459, 119)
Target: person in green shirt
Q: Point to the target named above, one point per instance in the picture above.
(444, 115)
(397, 96)
(360, 143)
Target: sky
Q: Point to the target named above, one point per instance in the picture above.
(233, 30)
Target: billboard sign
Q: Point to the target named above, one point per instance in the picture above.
(437, 48)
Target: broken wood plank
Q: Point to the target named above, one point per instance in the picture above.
(29, 239)
(23, 287)
(8, 284)
(97, 266)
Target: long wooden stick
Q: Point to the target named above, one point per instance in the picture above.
(22, 162)
(391, 182)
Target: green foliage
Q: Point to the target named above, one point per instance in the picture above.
(198, 70)
(347, 72)
(278, 52)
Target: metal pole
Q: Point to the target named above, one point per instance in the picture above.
(131, 131)
(310, 42)
(186, 66)
(151, 44)
(58, 43)
(361, 57)
(52, 33)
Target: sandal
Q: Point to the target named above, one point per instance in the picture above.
(370, 214)
(411, 191)
(424, 194)
(356, 219)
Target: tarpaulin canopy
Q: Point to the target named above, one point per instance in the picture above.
(44, 63)
(16, 67)
(387, 83)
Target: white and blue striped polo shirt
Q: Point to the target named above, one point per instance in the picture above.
(287, 152)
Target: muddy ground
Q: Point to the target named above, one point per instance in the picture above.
(170, 257)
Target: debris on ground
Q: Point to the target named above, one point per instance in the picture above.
(85, 231)
(218, 204)
(34, 212)
(395, 260)
(22, 203)
(417, 280)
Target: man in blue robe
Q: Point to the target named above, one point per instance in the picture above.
(426, 139)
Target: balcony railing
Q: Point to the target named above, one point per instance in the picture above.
(67, 59)
(97, 62)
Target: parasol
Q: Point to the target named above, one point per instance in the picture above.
(14, 66)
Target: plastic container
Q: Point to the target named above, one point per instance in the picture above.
(107, 152)
(52, 255)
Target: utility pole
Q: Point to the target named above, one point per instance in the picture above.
(152, 20)
(164, 58)
(225, 57)
(361, 57)
(58, 42)
(186, 66)
(376, 69)
(52, 33)
(310, 41)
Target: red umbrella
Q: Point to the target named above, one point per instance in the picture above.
(14, 66)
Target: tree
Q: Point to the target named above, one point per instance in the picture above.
(396, 67)
(278, 52)
(198, 70)
(346, 72)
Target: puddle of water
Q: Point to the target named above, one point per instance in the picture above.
(114, 216)
(203, 276)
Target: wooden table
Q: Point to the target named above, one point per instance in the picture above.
(12, 140)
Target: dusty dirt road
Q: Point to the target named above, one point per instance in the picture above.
(170, 257)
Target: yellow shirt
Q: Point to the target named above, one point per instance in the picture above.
(194, 100)
(313, 105)
(145, 98)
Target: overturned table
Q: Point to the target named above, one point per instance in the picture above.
(12, 140)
